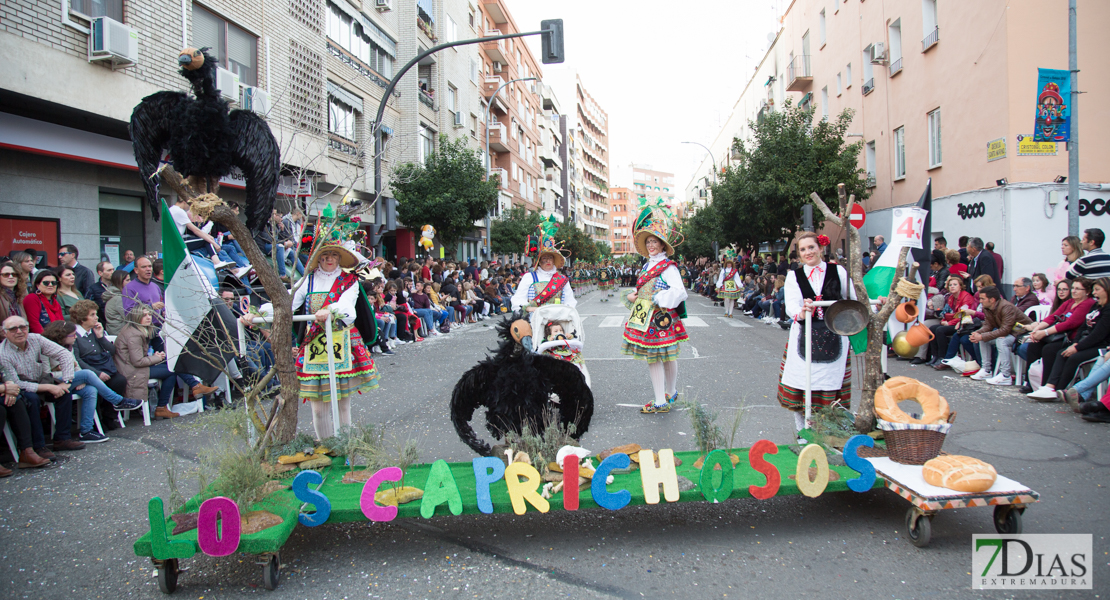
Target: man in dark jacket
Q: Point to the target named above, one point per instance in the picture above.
(1024, 298)
(83, 276)
(103, 284)
(997, 331)
(997, 258)
(981, 263)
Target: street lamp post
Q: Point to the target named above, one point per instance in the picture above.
(711, 159)
(489, 157)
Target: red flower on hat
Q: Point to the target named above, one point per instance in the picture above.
(823, 240)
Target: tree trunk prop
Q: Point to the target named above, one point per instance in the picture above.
(873, 376)
(280, 425)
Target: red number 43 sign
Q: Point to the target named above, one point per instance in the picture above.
(908, 224)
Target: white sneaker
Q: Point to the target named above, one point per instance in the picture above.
(1043, 393)
(223, 264)
(1000, 379)
(982, 375)
(955, 362)
(243, 271)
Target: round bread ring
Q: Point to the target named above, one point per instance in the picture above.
(897, 389)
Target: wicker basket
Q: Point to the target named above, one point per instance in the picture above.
(913, 444)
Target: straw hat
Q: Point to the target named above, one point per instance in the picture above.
(545, 234)
(655, 220)
(347, 258)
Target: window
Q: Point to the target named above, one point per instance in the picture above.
(848, 76)
(235, 49)
(452, 96)
(825, 103)
(934, 139)
(452, 30)
(868, 72)
(899, 153)
(474, 71)
(870, 158)
(113, 9)
(471, 18)
(895, 33)
(839, 85)
(427, 143)
(362, 39)
(821, 26)
(805, 48)
(341, 119)
(929, 28)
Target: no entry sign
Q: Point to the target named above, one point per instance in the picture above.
(857, 216)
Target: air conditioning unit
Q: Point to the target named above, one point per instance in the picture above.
(228, 84)
(383, 5)
(496, 66)
(458, 118)
(254, 99)
(878, 53)
(114, 42)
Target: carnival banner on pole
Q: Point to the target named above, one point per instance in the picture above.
(1053, 113)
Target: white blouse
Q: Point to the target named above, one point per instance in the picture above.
(322, 282)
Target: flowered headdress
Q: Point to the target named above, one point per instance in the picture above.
(655, 219)
(730, 256)
(546, 244)
(339, 232)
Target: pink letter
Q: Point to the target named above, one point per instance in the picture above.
(371, 509)
(208, 536)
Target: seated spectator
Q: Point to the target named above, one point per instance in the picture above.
(1096, 262)
(1000, 317)
(128, 263)
(227, 240)
(439, 304)
(1043, 289)
(113, 302)
(383, 314)
(958, 299)
(407, 320)
(1081, 397)
(982, 281)
(82, 276)
(42, 307)
(87, 384)
(13, 413)
(12, 291)
(471, 298)
(421, 304)
(138, 365)
(1072, 249)
(197, 240)
(1092, 335)
(1024, 298)
(940, 269)
(94, 353)
(67, 295)
(1049, 337)
(25, 264)
(104, 271)
(268, 240)
(24, 358)
(955, 266)
(450, 295)
(492, 299)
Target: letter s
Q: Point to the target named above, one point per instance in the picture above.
(304, 494)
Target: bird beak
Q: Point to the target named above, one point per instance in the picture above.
(526, 342)
(184, 59)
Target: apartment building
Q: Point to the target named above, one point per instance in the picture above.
(315, 69)
(622, 209)
(516, 109)
(900, 66)
(552, 153)
(588, 158)
(651, 184)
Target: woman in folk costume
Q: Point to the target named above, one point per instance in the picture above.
(729, 284)
(654, 329)
(545, 284)
(326, 291)
(813, 281)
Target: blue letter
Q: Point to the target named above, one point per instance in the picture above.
(301, 491)
(483, 478)
(616, 500)
(863, 466)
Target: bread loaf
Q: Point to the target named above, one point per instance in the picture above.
(960, 473)
(896, 389)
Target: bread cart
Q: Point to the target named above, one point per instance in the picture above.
(1008, 497)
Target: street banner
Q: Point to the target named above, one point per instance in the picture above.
(1053, 113)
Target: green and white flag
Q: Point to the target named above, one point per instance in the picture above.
(199, 329)
(877, 281)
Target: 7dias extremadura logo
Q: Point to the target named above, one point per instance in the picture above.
(1031, 562)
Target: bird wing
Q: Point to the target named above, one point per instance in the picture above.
(576, 401)
(258, 156)
(150, 128)
(475, 389)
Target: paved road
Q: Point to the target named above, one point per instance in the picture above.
(66, 532)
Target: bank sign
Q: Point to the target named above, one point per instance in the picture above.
(1032, 562)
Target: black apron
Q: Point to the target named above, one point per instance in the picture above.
(827, 345)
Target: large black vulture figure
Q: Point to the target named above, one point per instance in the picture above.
(205, 140)
(515, 386)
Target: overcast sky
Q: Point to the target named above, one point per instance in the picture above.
(665, 72)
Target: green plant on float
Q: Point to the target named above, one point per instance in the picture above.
(707, 433)
(543, 441)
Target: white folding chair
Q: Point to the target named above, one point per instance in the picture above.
(1037, 313)
(124, 415)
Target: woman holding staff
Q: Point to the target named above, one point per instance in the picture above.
(729, 285)
(831, 382)
(654, 329)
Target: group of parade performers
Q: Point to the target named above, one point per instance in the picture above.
(652, 333)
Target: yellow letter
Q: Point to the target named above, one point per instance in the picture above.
(519, 491)
(812, 453)
(651, 476)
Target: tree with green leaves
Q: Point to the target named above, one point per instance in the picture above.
(581, 245)
(604, 251)
(761, 198)
(699, 231)
(508, 234)
(448, 191)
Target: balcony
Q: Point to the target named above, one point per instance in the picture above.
(896, 66)
(503, 175)
(799, 75)
(869, 181)
(428, 97)
(498, 140)
(495, 49)
(868, 86)
(931, 39)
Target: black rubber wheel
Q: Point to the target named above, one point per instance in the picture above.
(271, 573)
(920, 533)
(167, 576)
(1007, 519)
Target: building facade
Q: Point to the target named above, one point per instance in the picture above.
(315, 69)
(622, 209)
(941, 91)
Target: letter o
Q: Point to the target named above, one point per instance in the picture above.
(208, 536)
(812, 453)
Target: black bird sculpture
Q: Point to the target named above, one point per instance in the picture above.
(205, 140)
(515, 386)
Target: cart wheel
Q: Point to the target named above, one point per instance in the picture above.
(1007, 519)
(167, 576)
(921, 532)
(271, 572)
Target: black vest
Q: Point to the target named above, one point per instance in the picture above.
(830, 290)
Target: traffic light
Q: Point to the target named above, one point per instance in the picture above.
(552, 45)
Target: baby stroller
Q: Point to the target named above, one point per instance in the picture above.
(573, 333)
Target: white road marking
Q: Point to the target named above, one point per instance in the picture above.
(629, 405)
(695, 351)
(613, 321)
(692, 321)
(734, 322)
